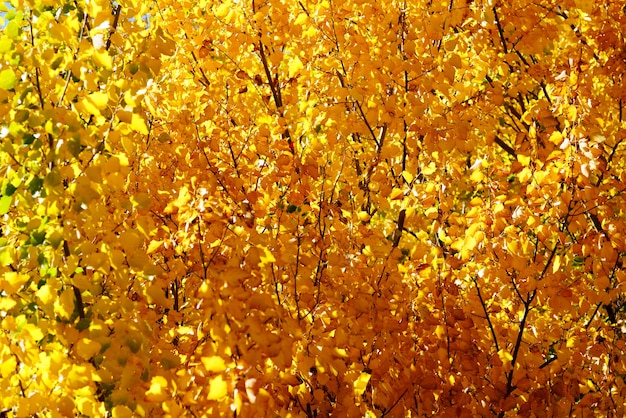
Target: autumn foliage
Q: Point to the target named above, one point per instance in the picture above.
(312, 208)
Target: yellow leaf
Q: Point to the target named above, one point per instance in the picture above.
(571, 113)
(585, 6)
(153, 246)
(78, 377)
(363, 216)
(98, 99)
(340, 352)
(222, 10)
(301, 19)
(449, 72)
(214, 364)
(217, 388)
(295, 65)
(430, 169)
(556, 138)
(156, 294)
(12, 281)
(130, 241)
(86, 348)
(7, 254)
(477, 176)
(169, 360)
(267, 256)
(431, 213)
(556, 265)
(455, 60)
(85, 105)
(408, 177)
(440, 331)
(396, 194)
(139, 124)
(121, 411)
(523, 159)
(45, 294)
(64, 305)
(6, 304)
(131, 100)
(505, 356)
(85, 406)
(158, 389)
(8, 365)
(141, 200)
(361, 382)
(103, 59)
(8, 79)
(34, 331)
(128, 145)
(524, 175)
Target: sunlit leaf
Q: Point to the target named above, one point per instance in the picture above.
(158, 389)
(361, 383)
(218, 388)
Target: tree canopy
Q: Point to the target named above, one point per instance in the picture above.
(312, 208)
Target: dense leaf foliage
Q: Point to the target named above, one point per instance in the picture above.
(305, 208)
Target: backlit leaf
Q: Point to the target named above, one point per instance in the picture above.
(8, 79)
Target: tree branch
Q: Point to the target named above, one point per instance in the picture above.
(506, 147)
(482, 303)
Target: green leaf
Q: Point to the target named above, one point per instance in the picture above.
(578, 261)
(54, 179)
(83, 323)
(37, 237)
(73, 146)
(28, 139)
(56, 63)
(10, 189)
(68, 7)
(21, 115)
(35, 185)
(133, 68)
(8, 80)
(55, 239)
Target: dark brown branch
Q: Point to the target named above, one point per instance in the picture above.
(204, 80)
(369, 127)
(116, 19)
(548, 362)
(205, 265)
(37, 84)
(273, 86)
(500, 31)
(397, 234)
(545, 269)
(506, 147)
(520, 334)
(482, 303)
(393, 405)
(518, 343)
(80, 307)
